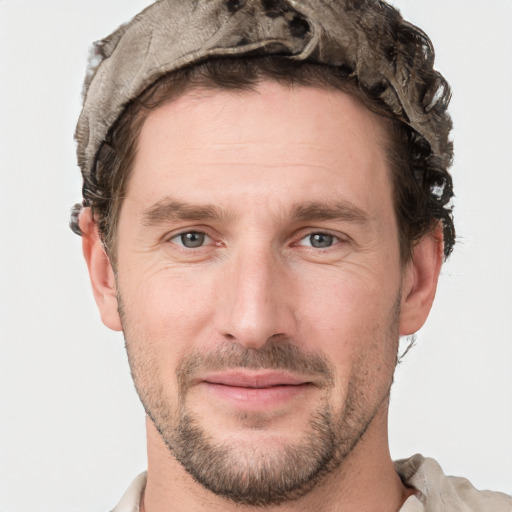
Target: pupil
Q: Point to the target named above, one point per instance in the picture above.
(321, 240)
(192, 239)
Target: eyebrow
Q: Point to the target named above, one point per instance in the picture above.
(169, 210)
(343, 211)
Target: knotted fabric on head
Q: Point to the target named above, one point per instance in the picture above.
(367, 38)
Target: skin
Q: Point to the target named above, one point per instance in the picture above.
(261, 159)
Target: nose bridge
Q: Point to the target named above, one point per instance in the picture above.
(255, 305)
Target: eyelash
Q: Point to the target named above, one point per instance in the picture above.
(333, 238)
(179, 236)
(185, 233)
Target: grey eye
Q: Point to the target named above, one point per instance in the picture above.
(321, 240)
(191, 240)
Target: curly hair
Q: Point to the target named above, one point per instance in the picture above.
(419, 150)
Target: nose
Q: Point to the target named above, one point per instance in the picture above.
(256, 300)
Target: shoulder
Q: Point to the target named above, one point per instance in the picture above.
(441, 493)
(130, 502)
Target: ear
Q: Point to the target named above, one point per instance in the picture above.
(420, 281)
(100, 271)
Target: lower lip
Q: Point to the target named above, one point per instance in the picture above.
(254, 398)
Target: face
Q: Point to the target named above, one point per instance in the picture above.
(260, 285)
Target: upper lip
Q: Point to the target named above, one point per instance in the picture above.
(254, 379)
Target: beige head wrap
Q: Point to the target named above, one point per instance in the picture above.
(366, 37)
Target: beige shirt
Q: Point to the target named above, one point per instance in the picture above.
(435, 492)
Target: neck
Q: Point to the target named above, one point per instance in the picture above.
(366, 480)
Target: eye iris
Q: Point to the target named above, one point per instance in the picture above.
(192, 239)
(321, 240)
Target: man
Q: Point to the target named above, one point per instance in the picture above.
(266, 211)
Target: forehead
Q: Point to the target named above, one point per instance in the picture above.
(300, 140)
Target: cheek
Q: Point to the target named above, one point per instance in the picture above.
(163, 316)
(357, 330)
(351, 314)
(168, 307)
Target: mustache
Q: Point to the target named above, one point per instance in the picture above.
(274, 355)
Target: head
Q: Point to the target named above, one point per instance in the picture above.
(271, 226)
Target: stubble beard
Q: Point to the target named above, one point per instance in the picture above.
(256, 475)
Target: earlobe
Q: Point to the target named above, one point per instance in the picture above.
(100, 271)
(420, 281)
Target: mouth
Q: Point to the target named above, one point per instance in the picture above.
(256, 389)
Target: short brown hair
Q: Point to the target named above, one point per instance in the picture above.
(421, 182)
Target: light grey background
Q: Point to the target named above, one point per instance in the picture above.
(71, 427)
